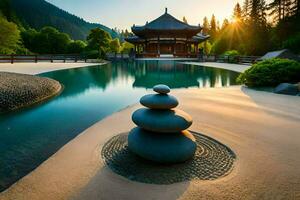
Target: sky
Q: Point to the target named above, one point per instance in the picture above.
(124, 13)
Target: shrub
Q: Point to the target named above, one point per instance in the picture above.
(91, 54)
(232, 54)
(271, 72)
(293, 43)
(76, 47)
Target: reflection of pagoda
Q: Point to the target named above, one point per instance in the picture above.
(150, 73)
(167, 72)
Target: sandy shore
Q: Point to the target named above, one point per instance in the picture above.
(42, 67)
(228, 66)
(261, 128)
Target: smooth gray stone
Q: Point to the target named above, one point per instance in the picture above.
(165, 148)
(159, 101)
(162, 120)
(162, 89)
(286, 88)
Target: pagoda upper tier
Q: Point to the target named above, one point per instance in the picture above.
(166, 26)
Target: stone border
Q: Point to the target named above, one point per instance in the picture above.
(212, 160)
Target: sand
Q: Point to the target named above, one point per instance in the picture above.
(261, 128)
(41, 67)
(228, 66)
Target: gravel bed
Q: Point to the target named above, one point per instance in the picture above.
(211, 161)
(20, 90)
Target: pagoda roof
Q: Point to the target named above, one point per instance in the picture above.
(200, 37)
(195, 39)
(166, 24)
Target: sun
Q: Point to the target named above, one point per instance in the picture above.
(235, 20)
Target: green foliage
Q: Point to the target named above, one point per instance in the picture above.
(76, 47)
(220, 45)
(115, 45)
(99, 40)
(232, 53)
(91, 54)
(206, 46)
(248, 32)
(47, 41)
(5, 9)
(213, 28)
(293, 43)
(39, 13)
(9, 37)
(271, 72)
(126, 47)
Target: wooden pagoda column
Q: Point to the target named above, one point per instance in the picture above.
(158, 47)
(174, 48)
(146, 44)
(196, 48)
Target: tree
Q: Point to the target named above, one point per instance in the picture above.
(184, 20)
(76, 47)
(56, 41)
(5, 9)
(213, 28)
(115, 45)
(99, 40)
(9, 36)
(246, 9)
(225, 24)
(237, 13)
(205, 26)
(127, 47)
(47, 41)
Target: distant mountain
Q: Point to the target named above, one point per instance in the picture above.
(40, 13)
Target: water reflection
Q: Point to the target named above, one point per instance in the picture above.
(30, 136)
(145, 74)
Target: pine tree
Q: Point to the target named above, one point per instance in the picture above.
(246, 9)
(213, 28)
(295, 8)
(288, 8)
(205, 26)
(225, 24)
(237, 13)
(280, 9)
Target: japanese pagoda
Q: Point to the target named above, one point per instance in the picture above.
(166, 36)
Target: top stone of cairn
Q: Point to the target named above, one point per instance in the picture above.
(162, 89)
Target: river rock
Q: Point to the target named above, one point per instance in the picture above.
(162, 121)
(161, 89)
(286, 88)
(159, 101)
(162, 148)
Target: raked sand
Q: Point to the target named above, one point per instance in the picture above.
(229, 66)
(263, 129)
(41, 67)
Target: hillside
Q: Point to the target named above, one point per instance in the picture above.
(39, 13)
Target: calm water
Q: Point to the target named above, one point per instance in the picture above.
(30, 136)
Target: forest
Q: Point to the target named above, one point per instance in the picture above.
(254, 29)
(47, 29)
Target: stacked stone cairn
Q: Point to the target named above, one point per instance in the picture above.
(161, 135)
